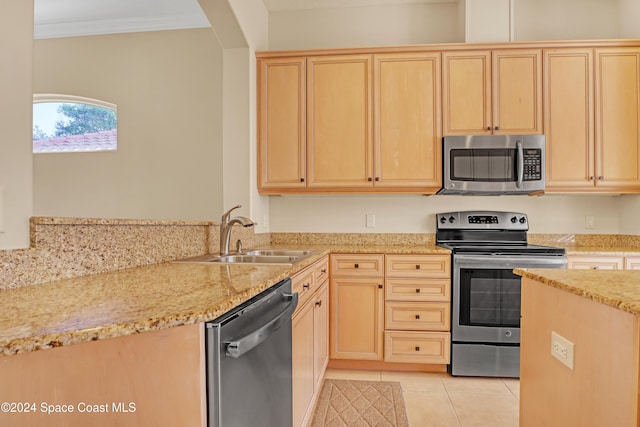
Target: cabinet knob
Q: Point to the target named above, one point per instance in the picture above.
(306, 286)
(301, 179)
(369, 179)
(591, 178)
(356, 266)
(417, 317)
(377, 178)
(319, 303)
(601, 178)
(488, 127)
(323, 271)
(417, 290)
(380, 286)
(417, 348)
(417, 266)
(497, 128)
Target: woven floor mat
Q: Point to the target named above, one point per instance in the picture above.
(360, 403)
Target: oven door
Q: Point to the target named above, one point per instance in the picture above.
(486, 296)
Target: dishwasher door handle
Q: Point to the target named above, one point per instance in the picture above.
(245, 344)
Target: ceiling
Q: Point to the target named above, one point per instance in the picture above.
(62, 18)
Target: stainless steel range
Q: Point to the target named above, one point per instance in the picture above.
(485, 314)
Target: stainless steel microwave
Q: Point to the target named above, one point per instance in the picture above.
(493, 165)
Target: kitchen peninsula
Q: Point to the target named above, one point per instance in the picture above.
(598, 312)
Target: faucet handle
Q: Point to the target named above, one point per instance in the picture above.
(227, 214)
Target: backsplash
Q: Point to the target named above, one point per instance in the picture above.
(70, 247)
(62, 248)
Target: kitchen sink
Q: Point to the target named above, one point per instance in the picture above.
(259, 256)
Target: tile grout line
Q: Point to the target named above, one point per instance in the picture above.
(455, 410)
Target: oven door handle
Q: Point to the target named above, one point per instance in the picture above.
(502, 261)
(520, 164)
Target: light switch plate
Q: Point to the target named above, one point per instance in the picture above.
(371, 220)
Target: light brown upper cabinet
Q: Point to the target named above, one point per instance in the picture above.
(492, 92)
(569, 119)
(282, 123)
(618, 119)
(592, 120)
(339, 143)
(407, 121)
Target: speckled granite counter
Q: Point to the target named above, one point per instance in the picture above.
(619, 289)
(603, 250)
(143, 299)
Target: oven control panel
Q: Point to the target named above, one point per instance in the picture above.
(482, 220)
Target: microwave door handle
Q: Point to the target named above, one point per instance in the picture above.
(520, 164)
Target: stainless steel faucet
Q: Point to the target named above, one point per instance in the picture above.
(226, 224)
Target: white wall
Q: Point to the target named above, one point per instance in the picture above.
(365, 26)
(629, 19)
(408, 24)
(566, 19)
(630, 214)
(416, 214)
(16, 47)
(167, 86)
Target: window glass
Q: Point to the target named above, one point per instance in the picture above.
(63, 123)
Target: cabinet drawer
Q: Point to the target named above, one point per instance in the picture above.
(346, 265)
(417, 347)
(632, 263)
(302, 283)
(417, 316)
(418, 289)
(321, 271)
(418, 266)
(595, 262)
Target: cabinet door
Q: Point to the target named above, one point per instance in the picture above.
(618, 118)
(281, 124)
(302, 362)
(407, 115)
(357, 318)
(321, 333)
(517, 91)
(568, 121)
(339, 121)
(466, 95)
(587, 262)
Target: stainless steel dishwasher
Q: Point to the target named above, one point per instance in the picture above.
(248, 354)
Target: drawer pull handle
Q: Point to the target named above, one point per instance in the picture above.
(306, 287)
(417, 266)
(323, 271)
(417, 290)
(417, 317)
(417, 348)
(356, 266)
(319, 303)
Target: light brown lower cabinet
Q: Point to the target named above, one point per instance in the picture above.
(391, 308)
(310, 343)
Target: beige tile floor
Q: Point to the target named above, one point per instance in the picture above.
(438, 399)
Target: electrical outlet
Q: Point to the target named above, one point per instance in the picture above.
(371, 220)
(562, 349)
(589, 222)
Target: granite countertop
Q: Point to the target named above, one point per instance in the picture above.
(603, 250)
(141, 299)
(616, 288)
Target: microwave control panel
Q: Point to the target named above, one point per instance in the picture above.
(532, 164)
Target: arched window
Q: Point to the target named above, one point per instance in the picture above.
(66, 123)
